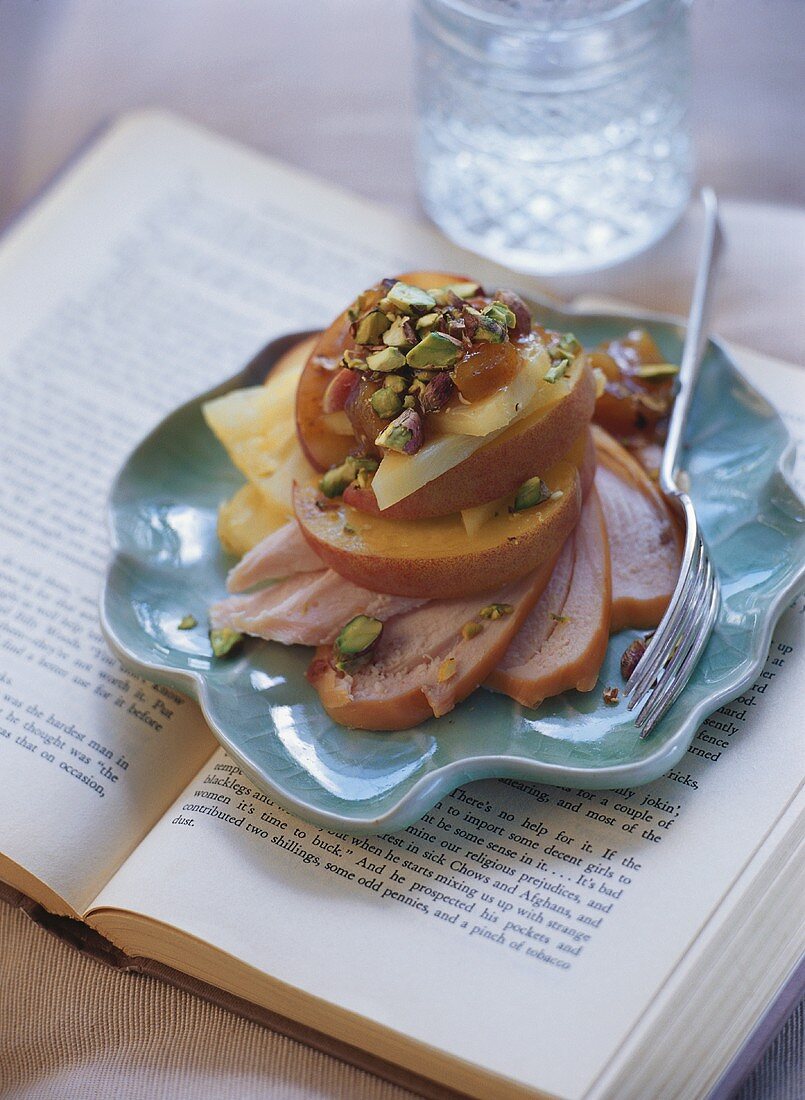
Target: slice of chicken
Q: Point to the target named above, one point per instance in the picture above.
(573, 649)
(281, 554)
(644, 539)
(426, 661)
(307, 609)
(542, 620)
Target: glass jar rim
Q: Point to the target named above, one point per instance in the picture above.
(523, 22)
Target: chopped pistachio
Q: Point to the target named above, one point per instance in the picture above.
(518, 308)
(355, 639)
(364, 463)
(569, 345)
(409, 401)
(224, 640)
(632, 656)
(471, 630)
(461, 290)
(187, 622)
(361, 304)
(409, 299)
(559, 618)
(353, 361)
(437, 392)
(371, 327)
(428, 322)
(396, 382)
(436, 350)
(489, 330)
(447, 670)
(335, 481)
(657, 370)
(388, 360)
(401, 334)
(531, 492)
(403, 434)
(348, 529)
(337, 478)
(386, 403)
(500, 312)
(610, 696)
(495, 611)
(557, 370)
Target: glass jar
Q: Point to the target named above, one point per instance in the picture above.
(553, 134)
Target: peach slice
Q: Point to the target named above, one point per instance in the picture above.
(532, 444)
(435, 558)
(323, 447)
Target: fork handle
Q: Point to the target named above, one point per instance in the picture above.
(695, 337)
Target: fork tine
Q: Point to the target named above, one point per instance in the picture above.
(675, 645)
(656, 708)
(697, 612)
(680, 638)
(669, 629)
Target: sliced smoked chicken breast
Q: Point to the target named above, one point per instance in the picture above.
(568, 654)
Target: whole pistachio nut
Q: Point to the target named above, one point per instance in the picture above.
(404, 434)
(436, 350)
(531, 492)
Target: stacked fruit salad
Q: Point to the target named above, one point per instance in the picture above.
(434, 502)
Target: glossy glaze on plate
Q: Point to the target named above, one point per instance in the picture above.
(167, 563)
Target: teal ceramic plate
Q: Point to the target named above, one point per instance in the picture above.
(167, 562)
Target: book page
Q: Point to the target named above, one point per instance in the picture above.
(520, 927)
(163, 261)
(490, 928)
(523, 928)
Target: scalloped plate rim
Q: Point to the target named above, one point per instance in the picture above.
(421, 795)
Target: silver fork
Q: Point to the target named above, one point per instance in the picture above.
(677, 644)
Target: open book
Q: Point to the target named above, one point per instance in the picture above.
(518, 940)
